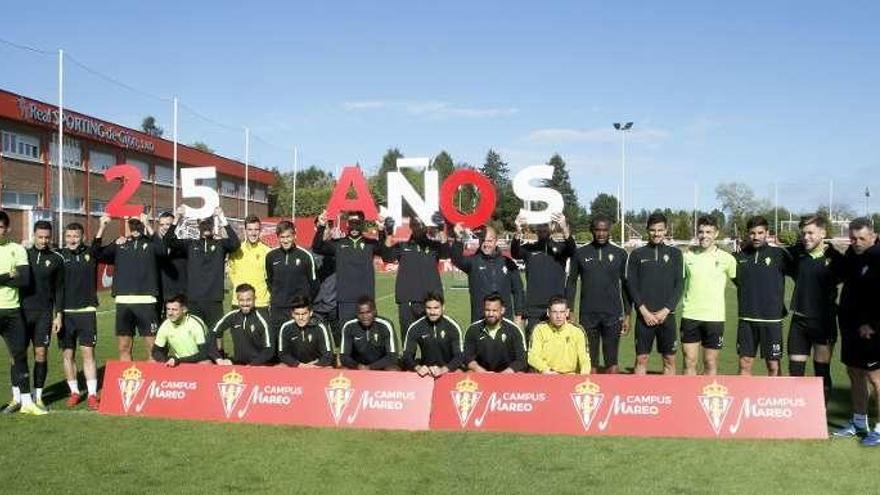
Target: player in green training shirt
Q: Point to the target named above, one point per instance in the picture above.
(181, 337)
(706, 272)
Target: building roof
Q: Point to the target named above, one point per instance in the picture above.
(34, 112)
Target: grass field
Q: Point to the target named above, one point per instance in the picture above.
(79, 450)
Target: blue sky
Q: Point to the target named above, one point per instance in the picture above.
(758, 92)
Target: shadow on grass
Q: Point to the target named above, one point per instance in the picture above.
(59, 391)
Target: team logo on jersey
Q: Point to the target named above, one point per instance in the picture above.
(309, 338)
(297, 262)
(252, 328)
(144, 247)
(767, 261)
(465, 398)
(213, 248)
(130, 384)
(442, 334)
(587, 397)
(88, 257)
(864, 270)
(230, 387)
(503, 337)
(716, 403)
(339, 394)
(666, 258)
(610, 257)
(48, 262)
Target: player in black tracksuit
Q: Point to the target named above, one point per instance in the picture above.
(290, 273)
(813, 303)
(368, 341)
(437, 337)
(545, 261)
(604, 305)
(489, 272)
(654, 283)
(250, 331)
(417, 274)
(79, 320)
(172, 267)
(135, 284)
(494, 343)
(305, 341)
(760, 280)
(353, 256)
(205, 266)
(41, 300)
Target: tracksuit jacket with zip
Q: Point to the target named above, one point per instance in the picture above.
(45, 291)
(81, 275)
(375, 346)
(290, 273)
(489, 274)
(417, 273)
(602, 273)
(206, 263)
(136, 272)
(250, 337)
(545, 269)
(355, 274)
(441, 344)
(655, 277)
(313, 342)
(760, 281)
(815, 285)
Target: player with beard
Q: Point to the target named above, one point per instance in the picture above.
(495, 344)
(604, 304)
(438, 339)
(417, 274)
(353, 256)
(545, 260)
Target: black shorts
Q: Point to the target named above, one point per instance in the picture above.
(78, 327)
(38, 326)
(209, 311)
(766, 334)
(708, 333)
(140, 317)
(602, 330)
(664, 333)
(12, 330)
(857, 352)
(804, 333)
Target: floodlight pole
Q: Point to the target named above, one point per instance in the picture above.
(623, 128)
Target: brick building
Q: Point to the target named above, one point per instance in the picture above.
(29, 174)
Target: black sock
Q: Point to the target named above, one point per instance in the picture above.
(41, 369)
(797, 368)
(823, 370)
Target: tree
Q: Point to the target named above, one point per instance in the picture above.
(737, 201)
(574, 213)
(201, 146)
(313, 189)
(379, 182)
(443, 165)
(507, 205)
(148, 125)
(604, 205)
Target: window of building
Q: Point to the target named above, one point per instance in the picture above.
(18, 198)
(164, 174)
(99, 161)
(98, 206)
(71, 203)
(228, 188)
(141, 165)
(258, 193)
(72, 152)
(21, 146)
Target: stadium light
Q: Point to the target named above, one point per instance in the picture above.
(623, 128)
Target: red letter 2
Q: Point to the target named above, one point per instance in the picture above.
(131, 179)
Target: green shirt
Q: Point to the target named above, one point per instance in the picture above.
(183, 339)
(12, 256)
(706, 273)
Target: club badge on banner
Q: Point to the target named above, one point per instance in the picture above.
(655, 406)
(308, 397)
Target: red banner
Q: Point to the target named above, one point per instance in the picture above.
(655, 406)
(308, 397)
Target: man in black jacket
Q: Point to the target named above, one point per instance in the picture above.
(654, 282)
(604, 307)
(172, 266)
(417, 274)
(353, 257)
(41, 301)
(135, 284)
(760, 280)
(437, 337)
(205, 265)
(489, 272)
(305, 341)
(545, 261)
(250, 332)
(290, 273)
(368, 341)
(495, 344)
(79, 321)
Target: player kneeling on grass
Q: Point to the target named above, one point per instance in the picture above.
(249, 328)
(558, 346)
(368, 341)
(494, 344)
(859, 319)
(437, 337)
(304, 341)
(181, 337)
